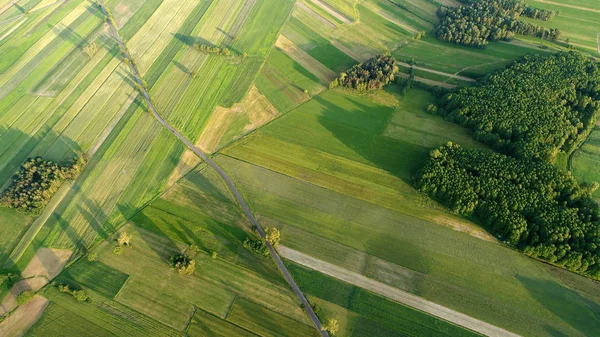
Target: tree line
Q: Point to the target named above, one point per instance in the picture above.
(36, 182)
(374, 73)
(533, 109)
(526, 203)
(477, 22)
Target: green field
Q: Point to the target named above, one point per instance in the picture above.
(331, 169)
(374, 314)
(323, 174)
(585, 161)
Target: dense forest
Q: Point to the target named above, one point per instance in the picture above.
(479, 21)
(374, 73)
(527, 203)
(534, 108)
(36, 182)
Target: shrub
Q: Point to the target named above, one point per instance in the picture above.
(118, 250)
(25, 297)
(256, 246)
(184, 264)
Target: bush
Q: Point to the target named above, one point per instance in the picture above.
(372, 74)
(8, 280)
(213, 50)
(118, 250)
(36, 182)
(25, 297)
(256, 246)
(184, 264)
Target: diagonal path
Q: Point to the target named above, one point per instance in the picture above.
(394, 294)
(223, 175)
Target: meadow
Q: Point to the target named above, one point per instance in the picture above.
(330, 168)
(316, 174)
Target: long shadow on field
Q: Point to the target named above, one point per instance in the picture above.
(160, 242)
(188, 40)
(581, 313)
(69, 34)
(182, 67)
(399, 158)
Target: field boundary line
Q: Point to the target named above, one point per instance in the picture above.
(394, 294)
(223, 175)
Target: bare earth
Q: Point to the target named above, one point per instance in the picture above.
(45, 265)
(324, 74)
(20, 321)
(394, 294)
(331, 11)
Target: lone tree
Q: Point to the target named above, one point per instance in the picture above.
(331, 326)
(272, 236)
(124, 239)
(183, 263)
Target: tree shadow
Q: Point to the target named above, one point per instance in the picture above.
(362, 135)
(19, 8)
(581, 313)
(182, 67)
(66, 33)
(163, 247)
(188, 40)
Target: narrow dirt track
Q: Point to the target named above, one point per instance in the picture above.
(223, 175)
(394, 294)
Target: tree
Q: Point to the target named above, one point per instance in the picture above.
(372, 74)
(331, 326)
(124, 239)
(477, 22)
(91, 49)
(272, 236)
(36, 182)
(25, 297)
(214, 255)
(527, 203)
(92, 257)
(184, 264)
(535, 108)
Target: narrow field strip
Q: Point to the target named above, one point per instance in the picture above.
(394, 293)
(15, 27)
(305, 60)
(331, 11)
(32, 52)
(390, 18)
(310, 12)
(569, 6)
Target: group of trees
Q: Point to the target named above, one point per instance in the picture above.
(212, 50)
(479, 21)
(36, 182)
(80, 295)
(258, 246)
(371, 74)
(533, 109)
(527, 203)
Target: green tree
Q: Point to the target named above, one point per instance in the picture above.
(332, 326)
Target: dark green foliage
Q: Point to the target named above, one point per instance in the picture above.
(36, 182)
(183, 263)
(374, 73)
(533, 109)
(529, 204)
(7, 281)
(256, 246)
(479, 21)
